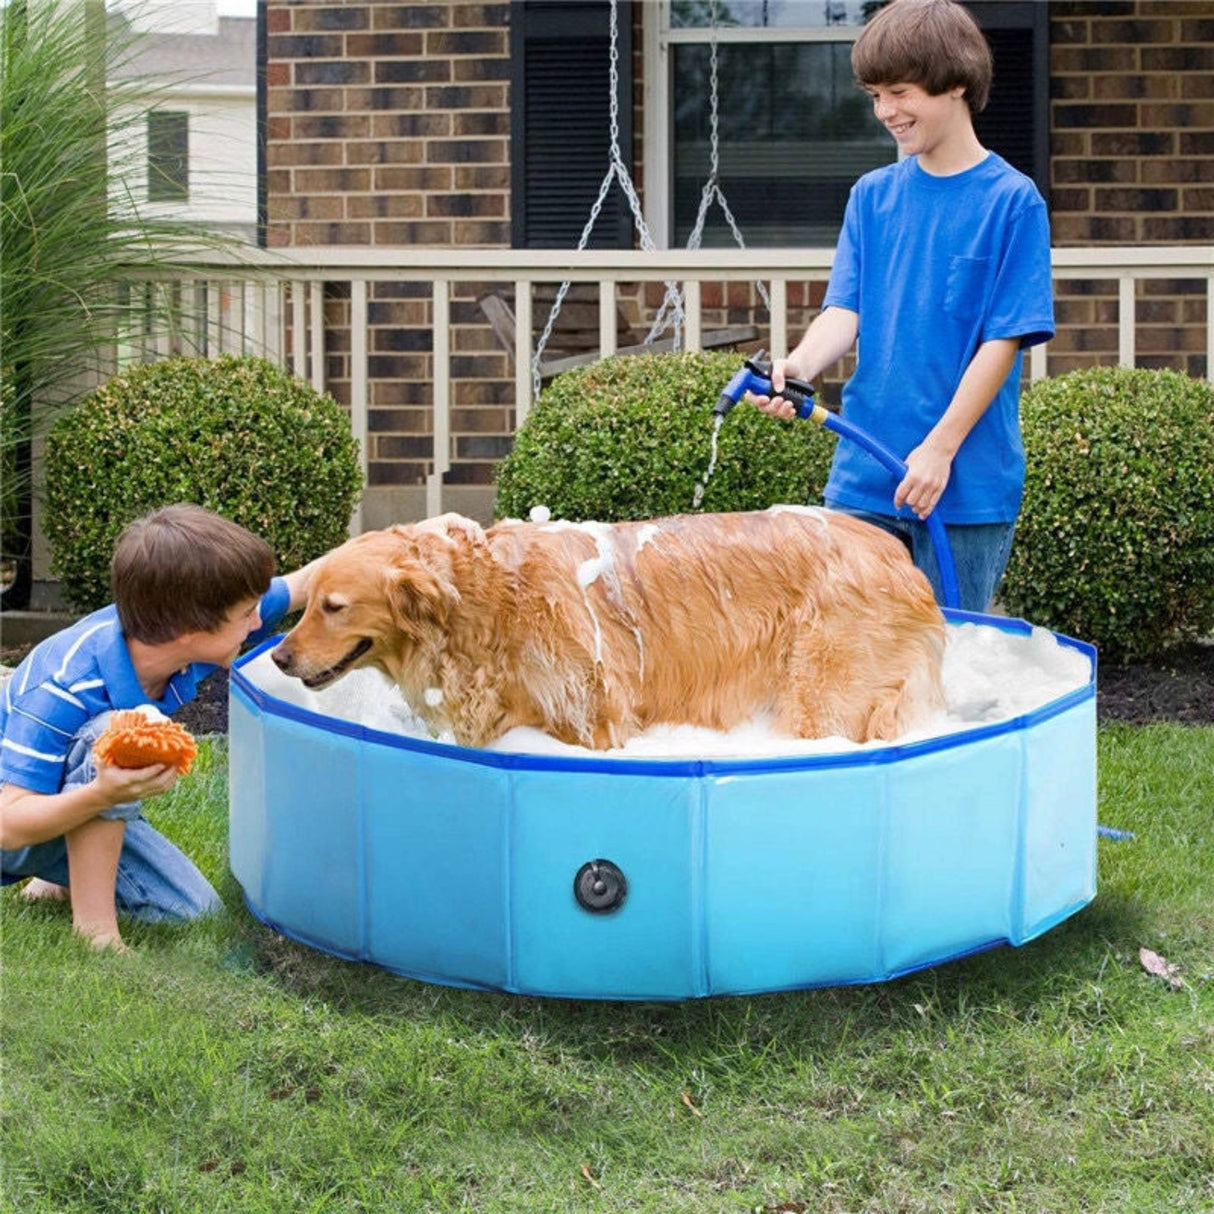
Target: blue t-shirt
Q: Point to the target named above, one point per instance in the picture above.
(78, 673)
(935, 266)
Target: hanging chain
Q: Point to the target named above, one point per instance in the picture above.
(712, 186)
(671, 314)
(617, 170)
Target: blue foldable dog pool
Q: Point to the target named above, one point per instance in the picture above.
(609, 878)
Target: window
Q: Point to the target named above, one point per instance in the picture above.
(794, 131)
(168, 156)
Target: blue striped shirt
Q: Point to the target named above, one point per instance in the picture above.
(78, 673)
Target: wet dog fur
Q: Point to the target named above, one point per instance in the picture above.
(593, 632)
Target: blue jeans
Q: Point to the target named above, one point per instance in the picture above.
(980, 553)
(156, 881)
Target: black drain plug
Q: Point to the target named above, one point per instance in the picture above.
(600, 886)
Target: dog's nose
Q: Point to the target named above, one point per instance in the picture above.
(282, 658)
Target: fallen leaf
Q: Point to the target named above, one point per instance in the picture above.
(1153, 963)
(692, 1107)
(590, 1176)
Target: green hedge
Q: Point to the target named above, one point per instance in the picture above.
(236, 435)
(630, 437)
(1115, 543)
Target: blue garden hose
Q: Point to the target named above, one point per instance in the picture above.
(755, 376)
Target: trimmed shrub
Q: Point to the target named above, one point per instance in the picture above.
(1115, 543)
(630, 438)
(236, 435)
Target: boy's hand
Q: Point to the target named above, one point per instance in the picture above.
(927, 473)
(828, 338)
(776, 405)
(122, 784)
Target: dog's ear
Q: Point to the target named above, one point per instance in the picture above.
(421, 594)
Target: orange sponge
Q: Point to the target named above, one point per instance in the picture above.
(132, 739)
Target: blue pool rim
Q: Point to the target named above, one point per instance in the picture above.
(522, 760)
(243, 690)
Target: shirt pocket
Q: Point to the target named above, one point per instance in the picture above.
(965, 289)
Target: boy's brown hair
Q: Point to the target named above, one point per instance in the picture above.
(181, 569)
(935, 44)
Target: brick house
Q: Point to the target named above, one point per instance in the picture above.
(442, 124)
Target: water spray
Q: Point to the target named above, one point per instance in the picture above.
(755, 376)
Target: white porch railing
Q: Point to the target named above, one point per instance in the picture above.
(242, 304)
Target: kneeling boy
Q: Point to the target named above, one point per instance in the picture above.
(190, 588)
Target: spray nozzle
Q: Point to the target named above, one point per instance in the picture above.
(755, 376)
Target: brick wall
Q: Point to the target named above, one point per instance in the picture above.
(1132, 162)
(388, 124)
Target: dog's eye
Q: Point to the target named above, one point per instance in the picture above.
(333, 606)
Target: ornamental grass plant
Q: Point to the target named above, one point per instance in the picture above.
(73, 229)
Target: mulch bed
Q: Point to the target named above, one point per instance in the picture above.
(1179, 687)
(208, 711)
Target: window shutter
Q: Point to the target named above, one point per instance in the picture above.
(1015, 122)
(560, 135)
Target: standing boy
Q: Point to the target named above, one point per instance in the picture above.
(190, 588)
(942, 273)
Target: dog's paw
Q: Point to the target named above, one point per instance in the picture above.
(452, 525)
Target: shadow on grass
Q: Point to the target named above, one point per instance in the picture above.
(1055, 969)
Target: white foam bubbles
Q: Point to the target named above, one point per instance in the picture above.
(990, 674)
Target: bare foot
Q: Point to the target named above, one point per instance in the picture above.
(36, 890)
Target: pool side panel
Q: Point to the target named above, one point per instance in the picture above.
(644, 949)
(247, 808)
(791, 876)
(1060, 827)
(312, 860)
(436, 868)
(950, 851)
(701, 956)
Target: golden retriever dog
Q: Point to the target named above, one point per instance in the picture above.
(593, 632)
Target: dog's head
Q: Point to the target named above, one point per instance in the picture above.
(375, 601)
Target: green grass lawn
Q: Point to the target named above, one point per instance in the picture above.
(218, 1067)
